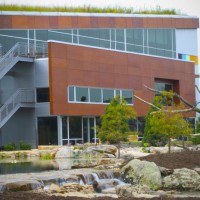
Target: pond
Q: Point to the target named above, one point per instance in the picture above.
(28, 165)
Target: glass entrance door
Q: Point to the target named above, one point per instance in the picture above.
(89, 129)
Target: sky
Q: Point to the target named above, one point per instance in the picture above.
(189, 7)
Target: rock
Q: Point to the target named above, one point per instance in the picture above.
(21, 185)
(105, 161)
(55, 189)
(132, 190)
(63, 164)
(110, 149)
(197, 169)
(198, 147)
(182, 179)
(75, 187)
(143, 173)
(108, 155)
(165, 172)
(103, 184)
(64, 152)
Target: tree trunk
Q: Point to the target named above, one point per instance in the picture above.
(169, 144)
(183, 142)
(118, 146)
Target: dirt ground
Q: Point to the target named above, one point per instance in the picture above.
(187, 159)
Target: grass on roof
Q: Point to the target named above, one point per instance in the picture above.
(88, 9)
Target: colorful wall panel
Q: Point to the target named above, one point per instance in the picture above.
(188, 58)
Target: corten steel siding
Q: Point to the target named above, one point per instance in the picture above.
(83, 66)
(54, 22)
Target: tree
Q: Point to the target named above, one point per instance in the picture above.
(153, 138)
(115, 122)
(170, 125)
(198, 125)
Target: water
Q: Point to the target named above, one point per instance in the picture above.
(8, 166)
(27, 166)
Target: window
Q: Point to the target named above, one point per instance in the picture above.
(81, 94)
(71, 93)
(108, 94)
(97, 95)
(42, 95)
(128, 96)
(168, 87)
(47, 130)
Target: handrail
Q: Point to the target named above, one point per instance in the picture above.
(19, 97)
(21, 50)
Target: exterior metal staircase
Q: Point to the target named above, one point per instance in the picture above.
(21, 98)
(21, 52)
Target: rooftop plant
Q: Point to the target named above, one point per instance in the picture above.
(88, 9)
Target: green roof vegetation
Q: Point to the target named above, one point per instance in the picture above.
(88, 9)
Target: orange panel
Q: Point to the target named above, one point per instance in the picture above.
(92, 67)
(95, 22)
(84, 22)
(42, 22)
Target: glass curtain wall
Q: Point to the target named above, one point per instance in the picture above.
(159, 42)
(77, 129)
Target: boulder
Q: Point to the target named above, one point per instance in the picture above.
(182, 179)
(143, 173)
(64, 152)
(109, 149)
(132, 190)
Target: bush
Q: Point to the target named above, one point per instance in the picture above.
(196, 139)
(9, 147)
(46, 156)
(24, 146)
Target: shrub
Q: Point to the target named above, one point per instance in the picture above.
(24, 146)
(9, 147)
(46, 156)
(196, 139)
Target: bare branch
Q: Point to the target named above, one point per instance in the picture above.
(174, 111)
(150, 104)
(174, 94)
(197, 88)
(193, 108)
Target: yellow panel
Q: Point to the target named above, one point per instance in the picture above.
(194, 59)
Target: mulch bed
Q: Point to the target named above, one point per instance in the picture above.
(186, 159)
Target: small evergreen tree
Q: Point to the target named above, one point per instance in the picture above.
(114, 127)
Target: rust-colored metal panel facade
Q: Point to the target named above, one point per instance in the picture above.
(92, 67)
(92, 21)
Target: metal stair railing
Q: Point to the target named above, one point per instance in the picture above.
(21, 98)
(19, 52)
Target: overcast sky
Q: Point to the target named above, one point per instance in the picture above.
(189, 7)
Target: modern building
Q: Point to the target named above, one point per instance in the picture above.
(58, 71)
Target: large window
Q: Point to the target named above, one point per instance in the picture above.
(159, 42)
(97, 95)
